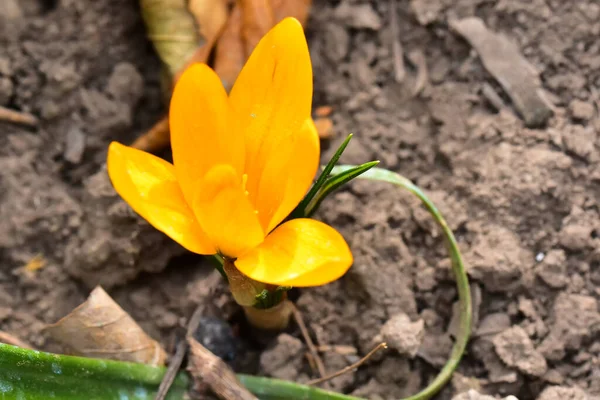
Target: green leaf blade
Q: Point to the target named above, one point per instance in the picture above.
(300, 210)
(33, 375)
(342, 177)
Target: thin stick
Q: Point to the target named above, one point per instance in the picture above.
(172, 371)
(349, 367)
(309, 343)
(180, 352)
(339, 349)
(17, 117)
(398, 53)
(7, 338)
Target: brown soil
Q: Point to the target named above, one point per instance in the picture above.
(523, 202)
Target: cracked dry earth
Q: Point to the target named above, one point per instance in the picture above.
(496, 119)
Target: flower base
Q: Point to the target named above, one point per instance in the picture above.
(270, 319)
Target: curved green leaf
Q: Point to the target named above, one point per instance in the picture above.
(458, 269)
(334, 182)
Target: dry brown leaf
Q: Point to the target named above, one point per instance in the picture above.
(183, 33)
(100, 328)
(230, 54)
(208, 369)
(7, 338)
(172, 30)
(211, 17)
(323, 111)
(156, 138)
(324, 127)
(298, 9)
(257, 20)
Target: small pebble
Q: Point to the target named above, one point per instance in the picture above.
(216, 335)
(74, 146)
(580, 110)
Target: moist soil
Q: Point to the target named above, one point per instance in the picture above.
(523, 202)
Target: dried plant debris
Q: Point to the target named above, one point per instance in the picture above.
(100, 328)
(504, 61)
(208, 369)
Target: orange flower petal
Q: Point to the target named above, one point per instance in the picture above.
(203, 132)
(224, 212)
(272, 100)
(301, 252)
(306, 152)
(148, 184)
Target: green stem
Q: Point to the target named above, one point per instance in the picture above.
(276, 389)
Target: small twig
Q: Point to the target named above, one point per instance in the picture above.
(397, 52)
(17, 117)
(349, 367)
(309, 343)
(180, 352)
(171, 373)
(7, 338)
(339, 349)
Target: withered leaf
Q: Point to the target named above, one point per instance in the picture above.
(100, 328)
(172, 30)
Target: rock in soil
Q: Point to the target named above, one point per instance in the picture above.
(562, 393)
(515, 348)
(284, 359)
(403, 335)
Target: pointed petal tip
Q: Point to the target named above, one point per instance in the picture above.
(290, 22)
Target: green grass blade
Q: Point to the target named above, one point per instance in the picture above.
(276, 389)
(462, 282)
(334, 182)
(300, 210)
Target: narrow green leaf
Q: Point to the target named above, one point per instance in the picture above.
(218, 259)
(458, 269)
(35, 375)
(276, 389)
(335, 182)
(300, 210)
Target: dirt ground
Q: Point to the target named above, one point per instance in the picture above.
(522, 201)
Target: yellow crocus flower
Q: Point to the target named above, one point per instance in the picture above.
(241, 164)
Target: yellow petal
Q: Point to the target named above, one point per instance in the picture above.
(224, 212)
(272, 100)
(300, 173)
(148, 184)
(203, 132)
(301, 252)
